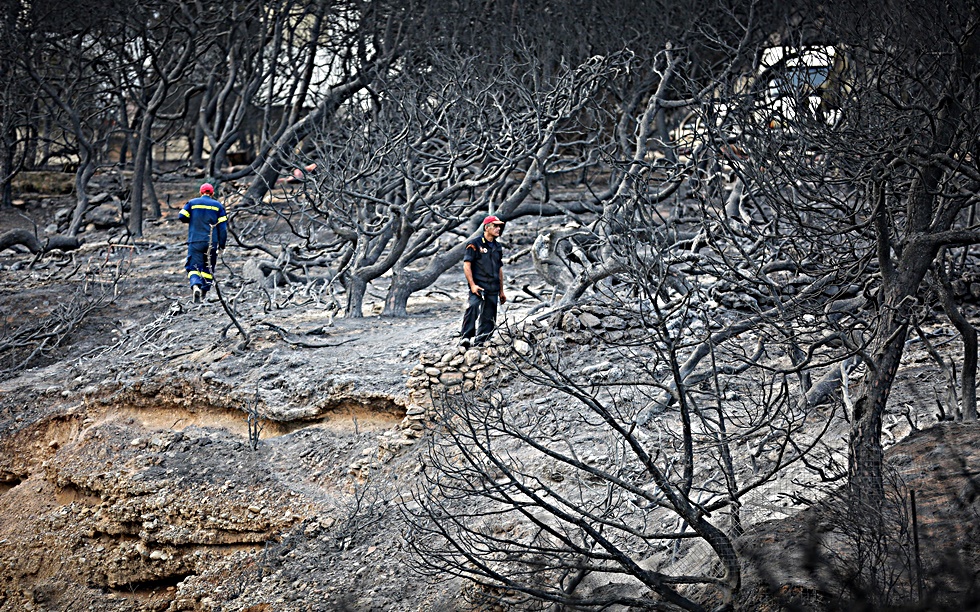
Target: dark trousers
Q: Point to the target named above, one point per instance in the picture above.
(200, 265)
(480, 317)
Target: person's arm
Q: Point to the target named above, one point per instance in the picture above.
(468, 272)
(503, 297)
(222, 227)
(185, 213)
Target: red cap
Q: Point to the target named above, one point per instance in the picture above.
(492, 219)
(207, 188)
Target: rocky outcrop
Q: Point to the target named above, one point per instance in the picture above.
(587, 323)
(96, 506)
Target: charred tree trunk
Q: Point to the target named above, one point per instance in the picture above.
(139, 172)
(127, 142)
(927, 215)
(203, 116)
(866, 455)
(404, 283)
(356, 287)
(969, 380)
(278, 156)
(151, 191)
(7, 175)
(899, 288)
(86, 168)
(969, 335)
(28, 240)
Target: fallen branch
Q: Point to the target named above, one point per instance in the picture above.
(36, 246)
(293, 339)
(241, 330)
(39, 336)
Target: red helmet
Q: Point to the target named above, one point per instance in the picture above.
(207, 188)
(493, 220)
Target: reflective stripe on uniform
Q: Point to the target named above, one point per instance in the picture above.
(204, 275)
(184, 213)
(222, 219)
(205, 206)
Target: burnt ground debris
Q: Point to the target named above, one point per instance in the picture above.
(127, 480)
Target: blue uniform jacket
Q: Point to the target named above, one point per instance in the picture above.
(205, 214)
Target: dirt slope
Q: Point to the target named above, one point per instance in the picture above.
(127, 474)
(130, 477)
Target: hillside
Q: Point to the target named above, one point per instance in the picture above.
(132, 478)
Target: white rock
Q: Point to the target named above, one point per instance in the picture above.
(614, 323)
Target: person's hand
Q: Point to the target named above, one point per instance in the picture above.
(475, 289)
(503, 298)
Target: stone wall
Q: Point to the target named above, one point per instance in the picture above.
(458, 369)
(461, 369)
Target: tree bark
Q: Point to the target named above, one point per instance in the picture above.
(927, 216)
(127, 143)
(86, 168)
(402, 287)
(35, 246)
(6, 177)
(356, 287)
(139, 170)
(404, 283)
(198, 135)
(899, 288)
(271, 169)
(969, 335)
(151, 191)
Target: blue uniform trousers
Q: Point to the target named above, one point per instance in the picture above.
(200, 265)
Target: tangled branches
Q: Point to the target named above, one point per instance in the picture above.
(21, 347)
(41, 334)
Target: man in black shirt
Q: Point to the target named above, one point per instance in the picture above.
(483, 263)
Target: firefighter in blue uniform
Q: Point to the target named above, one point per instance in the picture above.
(206, 233)
(483, 266)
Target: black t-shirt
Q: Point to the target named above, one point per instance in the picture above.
(486, 259)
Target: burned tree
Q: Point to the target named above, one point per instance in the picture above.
(429, 156)
(396, 172)
(627, 484)
(360, 43)
(624, 481)
(397, 185)
(70, 111)
(856, 160)
(169, 39)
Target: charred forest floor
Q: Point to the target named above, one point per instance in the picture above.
(133, 478)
